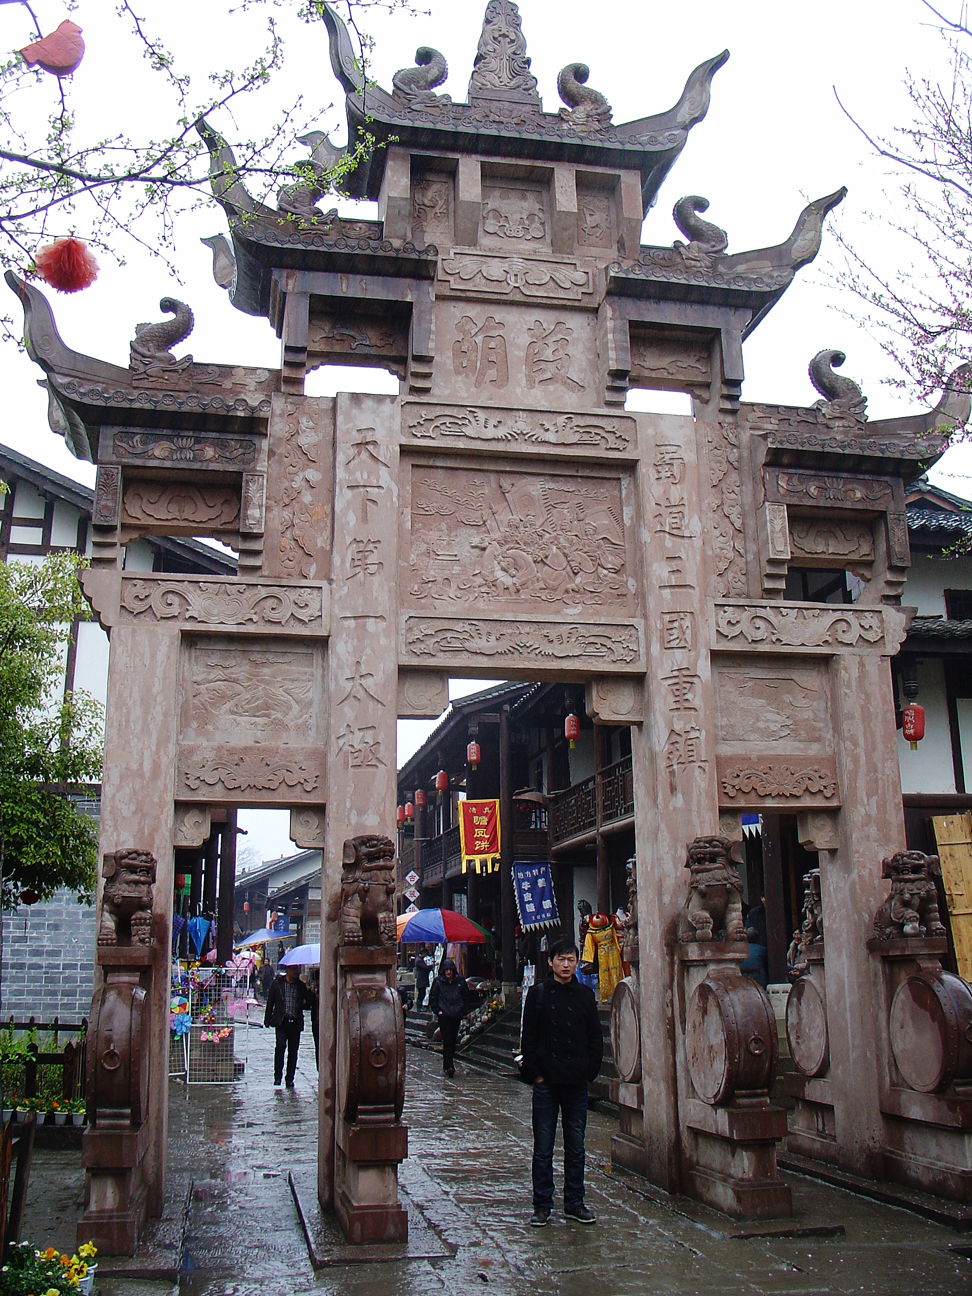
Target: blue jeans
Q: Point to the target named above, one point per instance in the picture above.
(571, 1102)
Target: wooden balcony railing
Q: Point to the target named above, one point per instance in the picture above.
(573, 812)
(442, 856)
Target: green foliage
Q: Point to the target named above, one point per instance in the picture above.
(50, 745)
(29, 1272)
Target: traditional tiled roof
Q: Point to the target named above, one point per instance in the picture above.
(936, 627)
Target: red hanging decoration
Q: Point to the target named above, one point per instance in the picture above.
(67, 265)
(572, 729)
(913, 724)
(441, 782)
(420, 798)
(246, 906)
(409, 810)
(473, 754)
(60, 52)
(29, 896)
(400, 815)
(180, 881)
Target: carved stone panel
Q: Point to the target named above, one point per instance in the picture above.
(596, 219)
(239, 690)
(201, 450)
(253, 775)
(777, 532)
(543, 646)
(777, 782)
(518, 279)
(724, 521)
(422, 695)
(433, 210)
(191, 826)
(775, 704)
(615, 701)
(833, 490)
(837, 542)
(235, 605)
(253, 512)
(519, 430)
(300, 485)
(337, 337)
(491, 352)
(107, 500)
(307, 826)
(179, 508)
(515, 217)
(506, 541)
(670, 362)
(769, 627)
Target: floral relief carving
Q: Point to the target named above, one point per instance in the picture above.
(107, 496)
(527, 428)
(449, 639)
(217, 507)
(300, 520)
(190, 447)
(773, 780)
(725, 511)
(781, 627)
(249, 770)
(509, 276)
(222, 603)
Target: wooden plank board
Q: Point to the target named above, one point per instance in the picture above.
(953, 833)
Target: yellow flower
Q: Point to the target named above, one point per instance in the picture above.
(52, 1291)
(87, 1250)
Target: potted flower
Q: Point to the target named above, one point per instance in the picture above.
(86, 1253)
(46, 1272)
(58, 1109)
(78, 1109)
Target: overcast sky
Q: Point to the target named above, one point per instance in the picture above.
(774, 138)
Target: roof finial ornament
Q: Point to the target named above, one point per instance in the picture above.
(299, 199)
(416, 84)
(587, 109)
(843, 399)
(151, 355)
(501, 69)
(704, 238)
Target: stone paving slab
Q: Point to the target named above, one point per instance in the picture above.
(467, 1180)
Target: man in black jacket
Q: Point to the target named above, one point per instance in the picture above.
(286, 1002)
(562, 1051)
(449, 1000)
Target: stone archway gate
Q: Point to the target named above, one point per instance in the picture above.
(504, 516)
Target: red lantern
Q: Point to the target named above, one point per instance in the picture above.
(473, 754)
(572, 729)
(67, 265)
(409, 810)
(400, 815)
(180, 881)
(420, 798)
(29, 896)
(246, 906)
(441, 782)
(913, 724)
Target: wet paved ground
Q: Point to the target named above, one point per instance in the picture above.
(231, 1149)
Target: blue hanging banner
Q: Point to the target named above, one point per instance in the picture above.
(198, 931)
(533, 888)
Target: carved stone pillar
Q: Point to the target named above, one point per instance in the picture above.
(812, 1131)
(362, 674)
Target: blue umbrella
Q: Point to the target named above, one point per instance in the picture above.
(302, 956)
(263, 935)
(198, 930)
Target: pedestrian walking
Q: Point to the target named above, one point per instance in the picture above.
(286, 1002)
(562, 1052)
(449, 1001)
(423, 972)
(314, 990)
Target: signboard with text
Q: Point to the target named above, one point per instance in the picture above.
(479, 832)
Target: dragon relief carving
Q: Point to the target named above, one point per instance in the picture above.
(299, 198)
(587, 109)
(912, 907)
(844, 404)
(416, 84)
(713, 906)
(705, 240)
(725, 511)
(150, 349)
(368, 892)
(223, 604)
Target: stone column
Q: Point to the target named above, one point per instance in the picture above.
(125, 1164)
(673, 756)
(362, 682)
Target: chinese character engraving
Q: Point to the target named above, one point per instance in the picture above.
(365, 448)
(547, 357)
(669, 466)
(358, 686)
(481, 352)
(370, 500)
(361, 747)
(682, 751)
(682, 682)
(363, 559)
(678, 630)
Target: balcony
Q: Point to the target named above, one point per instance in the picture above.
(443, 855)
(573, 812)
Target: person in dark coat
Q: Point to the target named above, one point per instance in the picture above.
(423, 967)
(562, 1052)
(758, 961)
(449, 1001)
(286, 1002)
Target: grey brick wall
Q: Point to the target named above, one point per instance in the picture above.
(48, 970)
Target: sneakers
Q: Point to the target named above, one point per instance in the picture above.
(278, 1083)
(540, 1217)
(580, 1214)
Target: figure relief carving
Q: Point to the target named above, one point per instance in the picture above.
(524, 428)
(713, 907)
(746, 625)
(220, 603)
(432, 200)
(629, 927)
(107, 500)
(126, 900)
(811, 933)
(243, 690)
(768, 779)
(494, 538)
(548, 358)
(191, 447)
(215, 507)
(151, 356)
(515, 277)
(595, 223)
(679, 364)
(587, 109)
(301, 520)
(191, 826)
(817, 538)
(912, 907)
(515, 214)
(249, 770)
(725, 511)
(448, 640)
(368, 892)
(771, 705)
(357, 335)
(479, 352)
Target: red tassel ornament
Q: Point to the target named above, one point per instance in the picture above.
(59, 53)
(67, 265)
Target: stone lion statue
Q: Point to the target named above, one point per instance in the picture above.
(126, 902)
(368, 892)
(913, 902)
(713, 907)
